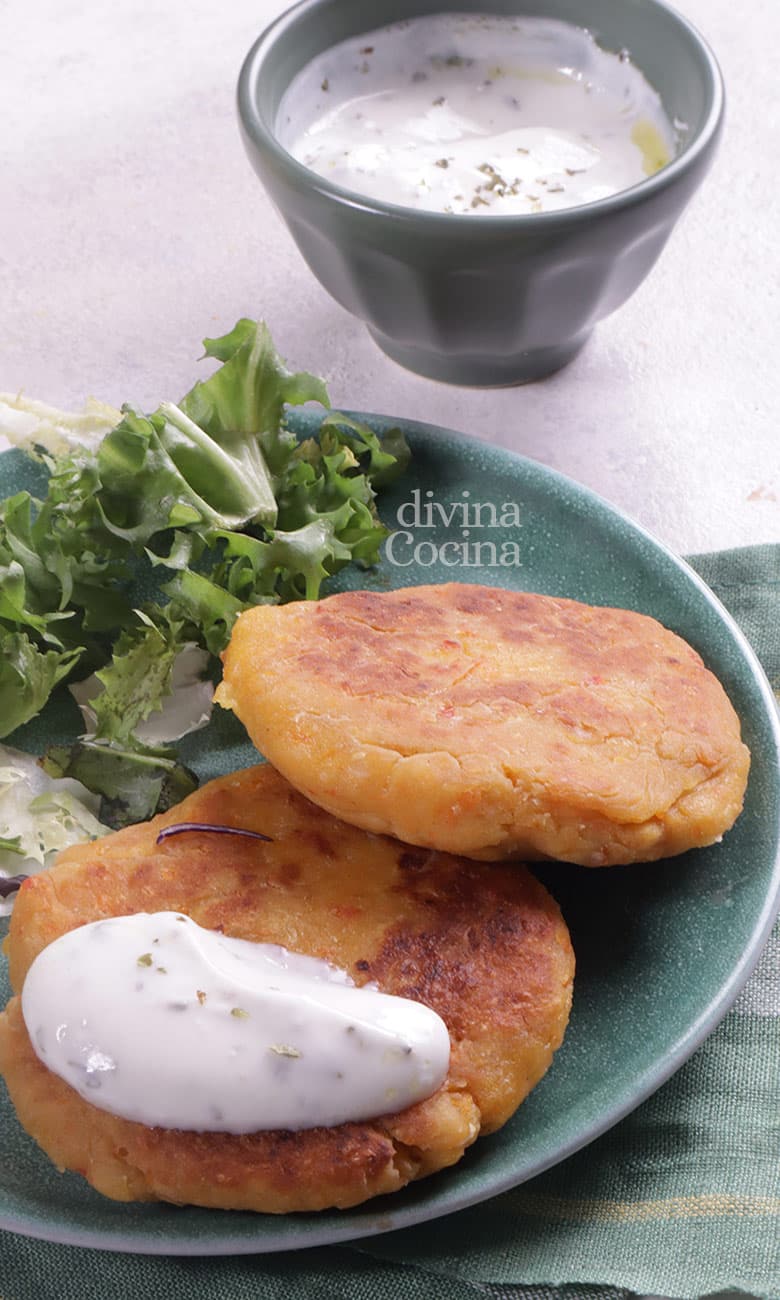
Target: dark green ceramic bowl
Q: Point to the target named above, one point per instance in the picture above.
(483, 300)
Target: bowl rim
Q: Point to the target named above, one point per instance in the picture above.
(264, 138)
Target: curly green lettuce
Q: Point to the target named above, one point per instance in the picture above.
(214, 491)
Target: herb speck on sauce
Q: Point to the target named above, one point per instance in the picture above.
(145, 959)
(325, 86)
(201, 996)
(239, 1013)
(282, 1049)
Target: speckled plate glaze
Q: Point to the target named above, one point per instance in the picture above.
(662, 949)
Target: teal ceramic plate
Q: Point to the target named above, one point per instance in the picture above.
(662, 949)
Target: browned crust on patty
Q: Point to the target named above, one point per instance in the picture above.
(492, 723)
(485, 947)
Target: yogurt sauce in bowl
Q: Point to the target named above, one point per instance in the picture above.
(475, 114)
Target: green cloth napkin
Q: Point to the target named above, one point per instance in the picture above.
(680, 1199)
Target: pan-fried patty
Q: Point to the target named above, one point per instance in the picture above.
(484, 947)
(492, 723)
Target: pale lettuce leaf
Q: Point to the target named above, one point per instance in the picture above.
(39, 815)
(30, 424)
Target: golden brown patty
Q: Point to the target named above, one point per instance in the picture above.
(492, 723)
(485, 947)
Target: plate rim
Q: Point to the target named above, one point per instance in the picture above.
(378, 1222)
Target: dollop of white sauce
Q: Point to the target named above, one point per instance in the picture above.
(157, 1020)
(467, 113)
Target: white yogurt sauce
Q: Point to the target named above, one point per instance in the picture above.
(468, 113)
(157, 1020)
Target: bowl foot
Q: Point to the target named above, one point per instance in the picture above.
(482, 371)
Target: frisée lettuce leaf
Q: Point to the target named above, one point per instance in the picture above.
(250, 391)
(154, 537)
(133, 783)
(28, 676)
